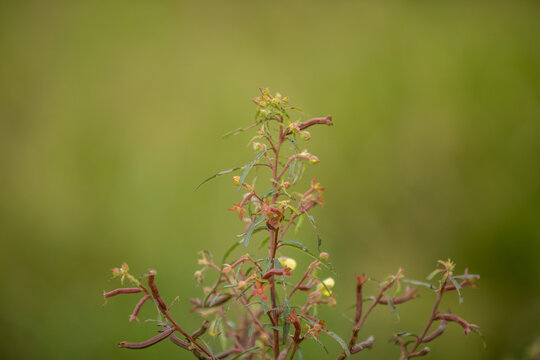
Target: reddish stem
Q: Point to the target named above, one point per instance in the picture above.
(138, 307)
(144, 344)
(433, 315)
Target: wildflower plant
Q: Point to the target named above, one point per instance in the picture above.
(250, 306)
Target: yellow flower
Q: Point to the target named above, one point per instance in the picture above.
(328, 284)
(287, 262)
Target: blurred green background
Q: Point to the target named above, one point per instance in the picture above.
(111, 112)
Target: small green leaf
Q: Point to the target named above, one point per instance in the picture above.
(341, 342)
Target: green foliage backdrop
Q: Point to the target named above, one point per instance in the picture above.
(111, 112)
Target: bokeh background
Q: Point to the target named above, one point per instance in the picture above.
(111, 112)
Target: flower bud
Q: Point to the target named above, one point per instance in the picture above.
(258, 146)
(198, 276)
(236, 180)
(305, 135)
(314, 159)
(293, 127)
(324, 255)
(116, 272)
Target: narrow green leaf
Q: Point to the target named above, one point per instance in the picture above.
(250, 330)
(208, 346)
(341, 342)
(300, 354)
(477, 332)
(251, 228)
(286, 324)
(232, 132)
(268, 193)
(266, 265)
(318, 342)
(264, 306)
(299, 223)
(224, 172)
(250, 165)
(296, 243)
(245, 352)
(211, 292)
(458, 289)
(419, 283)
(237, 273)
(237, 131)
(215, 328)
(393, 308)
(229, 251)
(314, 225)
(433, 273)
(264, 242)
(303, 248)
(223, 340)
(404, 334)
(468, 277)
